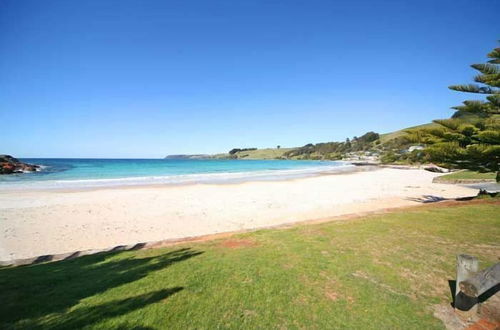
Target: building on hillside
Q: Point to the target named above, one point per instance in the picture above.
(417, 147)
(362, 156)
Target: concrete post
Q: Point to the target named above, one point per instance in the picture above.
(467, 266)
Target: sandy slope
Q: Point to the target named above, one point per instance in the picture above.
(35, 223)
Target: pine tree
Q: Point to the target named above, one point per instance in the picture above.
(471, 138)
(487, 82)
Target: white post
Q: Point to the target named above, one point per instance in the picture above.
(467, 266)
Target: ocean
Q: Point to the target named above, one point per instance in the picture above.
(88, 173)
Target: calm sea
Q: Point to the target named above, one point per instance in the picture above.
(82, 173)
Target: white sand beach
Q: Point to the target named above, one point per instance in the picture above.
(34, 223)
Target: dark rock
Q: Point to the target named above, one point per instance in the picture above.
(436, 169)
(6, 168)
(9, 165)
(8, 159)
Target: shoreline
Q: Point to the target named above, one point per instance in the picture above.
(34, 223)
(268, 176)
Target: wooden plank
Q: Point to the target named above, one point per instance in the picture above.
(481, 282)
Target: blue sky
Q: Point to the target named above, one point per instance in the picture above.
(148, 78)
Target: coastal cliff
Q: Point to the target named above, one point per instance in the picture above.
(9, 165)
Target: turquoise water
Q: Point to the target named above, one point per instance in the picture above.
(68, 173)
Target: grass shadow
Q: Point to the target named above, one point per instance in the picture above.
(426, 199)
(489, 293)
(453, 286)
(470, 302)
(64, 284)
(87, 316)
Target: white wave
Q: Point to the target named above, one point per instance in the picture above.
(225, 177)
(42, 168)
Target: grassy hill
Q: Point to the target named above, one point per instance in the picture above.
(283, 153)
(467, 117)
(392, 141)
(387, 137)
(267, 153)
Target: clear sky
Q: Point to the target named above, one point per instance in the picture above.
(148, 78)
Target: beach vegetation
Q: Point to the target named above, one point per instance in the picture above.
(235, 150)
(334, 150)
(468, 175)
(471, 138)
(264, 153)
(389, 157)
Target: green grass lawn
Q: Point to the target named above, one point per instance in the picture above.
(468, 175)
(381, 271)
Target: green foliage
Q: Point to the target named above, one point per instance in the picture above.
(267, 153)
(388, 137)
(489, 80)
(413, 157)
(398, 143)
(467, 175)
(416, 157)
(235, 150)
(335, 150)
(389, 157)
(495, 56)
(470, 144)
(368, 137)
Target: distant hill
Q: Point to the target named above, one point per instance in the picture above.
(267, 153)
(382, 144)
(199, 156)
(327, 150)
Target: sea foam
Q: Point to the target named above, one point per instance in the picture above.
(179, 179)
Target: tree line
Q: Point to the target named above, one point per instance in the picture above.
(470, 139)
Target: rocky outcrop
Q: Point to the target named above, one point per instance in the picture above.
(436, 169)
(9, 165)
